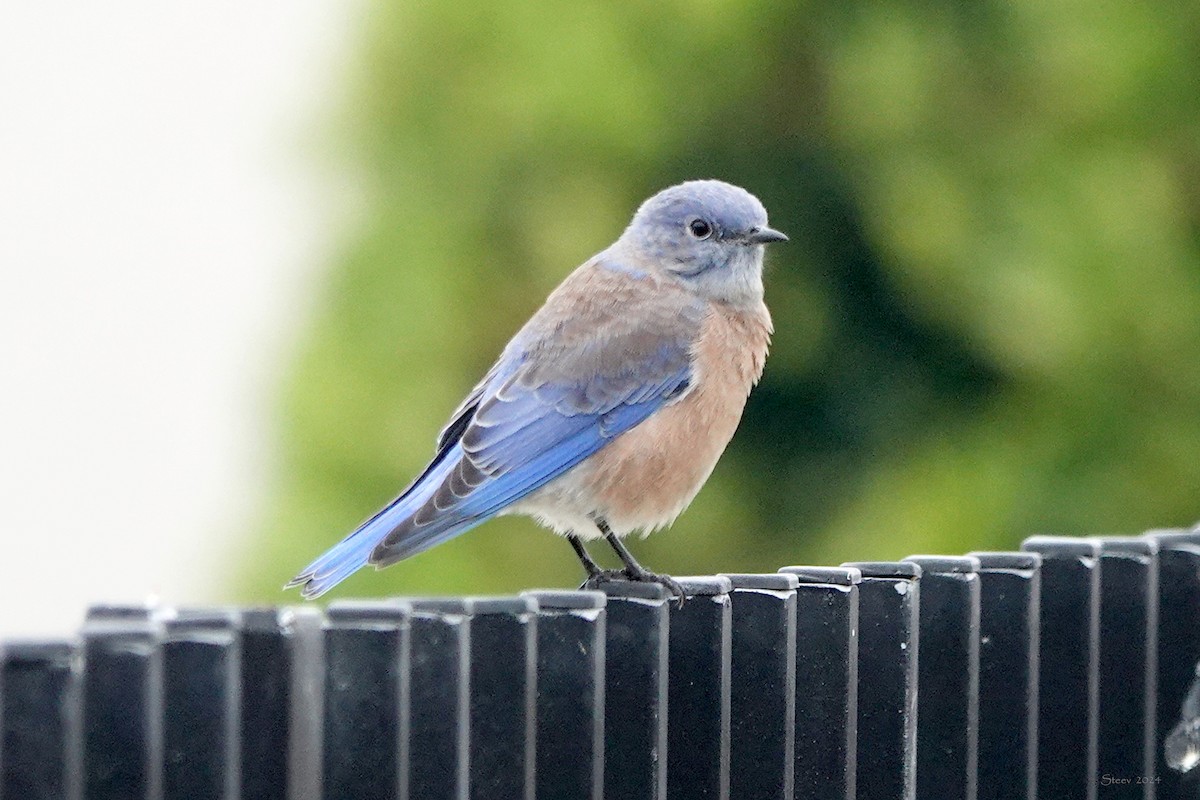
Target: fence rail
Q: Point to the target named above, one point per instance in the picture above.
(1066, 670)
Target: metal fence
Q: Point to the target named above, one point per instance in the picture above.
(1066, 670)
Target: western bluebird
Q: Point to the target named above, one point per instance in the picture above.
(608, 410)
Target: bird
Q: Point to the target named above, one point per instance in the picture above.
(608, 410)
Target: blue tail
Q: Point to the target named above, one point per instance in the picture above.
(354, 552)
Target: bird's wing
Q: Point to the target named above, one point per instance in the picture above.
(606, 351)
(462, 415)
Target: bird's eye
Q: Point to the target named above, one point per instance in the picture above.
(699, 229)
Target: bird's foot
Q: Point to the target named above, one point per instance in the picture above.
(646, 576)
(602, 576)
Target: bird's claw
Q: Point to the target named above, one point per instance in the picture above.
(603, 576)
(666, 581)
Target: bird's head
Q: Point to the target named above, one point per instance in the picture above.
(708, 234)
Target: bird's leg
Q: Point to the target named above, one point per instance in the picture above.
(635, 571)
(596, 575)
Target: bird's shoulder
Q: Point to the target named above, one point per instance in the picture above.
(607, 301)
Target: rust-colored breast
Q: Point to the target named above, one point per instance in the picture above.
(648, 475)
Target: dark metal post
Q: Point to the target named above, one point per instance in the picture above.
(439, 727)
(1178, 651)
(1069, 669)
(503, 688)
(265, 697)
(826, 682)
(1009, 616)
(1128, 668)
(366, 700)
(762, 704)
(201, 660)
(120, 612)
(698, 689)
(570, 695)
(887, 679)
(122, 708)
(38, 720)
(635, 691)
(948, 678)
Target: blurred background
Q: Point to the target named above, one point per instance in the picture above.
(253, 258)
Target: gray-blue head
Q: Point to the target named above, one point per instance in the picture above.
(709, 234)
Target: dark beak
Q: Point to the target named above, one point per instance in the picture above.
(765, 235)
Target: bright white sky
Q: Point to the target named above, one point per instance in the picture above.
(160, 228)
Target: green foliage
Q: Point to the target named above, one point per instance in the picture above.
(988, 318)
